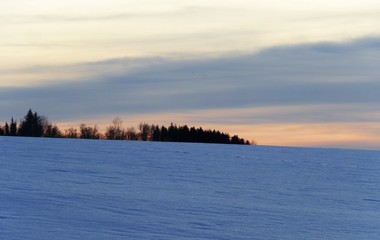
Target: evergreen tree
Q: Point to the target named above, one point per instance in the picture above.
(38, 125)
(32, 125)
(26, 126)
(6, 129)
(156, 135)
(164, 134)
(13, 128)
(236, 140)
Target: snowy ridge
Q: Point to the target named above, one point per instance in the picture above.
(84, 189)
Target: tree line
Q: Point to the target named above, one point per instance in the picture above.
(35, 125)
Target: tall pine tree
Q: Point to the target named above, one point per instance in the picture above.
(31, 125)
(6, 129)
(13, 128)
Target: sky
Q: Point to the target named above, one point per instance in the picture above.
(292, 73)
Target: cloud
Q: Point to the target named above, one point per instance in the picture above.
(310, 83)
(116, 14)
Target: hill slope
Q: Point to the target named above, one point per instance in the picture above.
(79, 189)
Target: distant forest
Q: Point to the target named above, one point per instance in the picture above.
(34, 125)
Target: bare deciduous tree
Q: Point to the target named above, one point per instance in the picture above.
(145, 131)
(116, 130)
(131, 134)
(89, 132)
(71, 133)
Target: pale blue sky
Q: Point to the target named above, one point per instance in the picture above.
(269, 70)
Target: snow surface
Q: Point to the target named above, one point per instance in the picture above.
(83, 189)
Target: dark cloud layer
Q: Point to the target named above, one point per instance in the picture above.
(306, 75)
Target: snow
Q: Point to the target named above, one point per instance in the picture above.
(88, 189)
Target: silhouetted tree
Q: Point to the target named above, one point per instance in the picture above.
(13, 128)
(27, 125)
(39, 125)
(172, 133)
(71, 133)
(52, 131)
(176, 133)
(131, 134)
(145, 131)
(116, 131)
(6, 129)
(89, 132)
(156, 135)
(164, 134)
(32, 125)
(236, 140)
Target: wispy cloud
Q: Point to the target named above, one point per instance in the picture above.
(186, 11)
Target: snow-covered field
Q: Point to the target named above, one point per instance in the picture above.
(83, 189)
